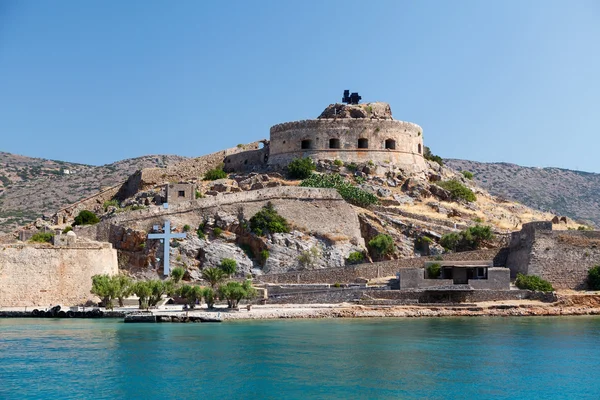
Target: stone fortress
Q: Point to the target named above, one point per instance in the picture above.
(352, 133)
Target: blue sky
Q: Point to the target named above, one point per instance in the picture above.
(95, 82)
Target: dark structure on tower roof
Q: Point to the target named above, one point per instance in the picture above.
(348, 98)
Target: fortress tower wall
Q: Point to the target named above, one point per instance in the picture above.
(349, 140)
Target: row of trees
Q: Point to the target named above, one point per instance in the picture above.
(118, 287)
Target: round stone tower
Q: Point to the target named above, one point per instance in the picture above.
(351, 133)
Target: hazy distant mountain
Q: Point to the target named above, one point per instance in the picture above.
(574, 194)
(30, 187)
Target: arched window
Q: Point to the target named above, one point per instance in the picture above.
(390, 144)
(334, 143)
(306, 144)
(363, 143)
(419, 148)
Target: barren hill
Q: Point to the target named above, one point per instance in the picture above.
(575, 194)
(31, 187)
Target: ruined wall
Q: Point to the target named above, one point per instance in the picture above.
(247, 161)
(286, 140)
(36, 275)
(561, 257)
(318, 211)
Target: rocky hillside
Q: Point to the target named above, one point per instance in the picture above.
(31, 187)
(574, 194)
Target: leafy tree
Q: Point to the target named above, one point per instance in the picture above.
(102, 286)
(233, 292)
(308, 258)
(177, 274)
(158, 289)
(86, 217)
(42, 237)
(213, 276)
(122, 287)
(228, 266)
(458, 191)
(450, 241)
(382, 245)
(267, 220)
(143, 291)
(532, 282)
(209, 296)
(301, 168)
(593, 278)
(191, 294)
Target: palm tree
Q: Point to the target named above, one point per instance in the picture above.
(213, 276)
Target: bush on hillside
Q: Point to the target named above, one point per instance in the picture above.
(86, 217)
(349, 192)
(382, 245)
(356, 257)
(471, 238)
(301, 168)
(434, 270)
(458, 191)
(532, 282)
(42, 237)
(467, 174)
(428, 155)
(215, 173)
(267, 220)
(228, 266)
(593, 279)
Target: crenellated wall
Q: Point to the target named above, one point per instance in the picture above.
(287, 141)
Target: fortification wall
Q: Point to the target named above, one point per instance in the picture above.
(32, 275)
(318, 211)
(286, 141)
(561, 257)
(247, 161)
(351, 273)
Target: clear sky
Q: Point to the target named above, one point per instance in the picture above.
(99, 81)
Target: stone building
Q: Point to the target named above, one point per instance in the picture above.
(178, 192)
(350, 133)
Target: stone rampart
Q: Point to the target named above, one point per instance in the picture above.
(351, 273)
(349, 140)
(318, 211)
(38, 275)
(561, 257)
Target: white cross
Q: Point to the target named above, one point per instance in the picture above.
(167, 236)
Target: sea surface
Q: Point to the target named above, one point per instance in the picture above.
(433, 358)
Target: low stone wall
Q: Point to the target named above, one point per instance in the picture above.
(37, 275)
(369, 271)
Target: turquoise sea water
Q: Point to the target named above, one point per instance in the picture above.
(512, 358)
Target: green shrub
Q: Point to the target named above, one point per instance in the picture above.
(42, 237)
(233, 292)
(584, 228)
(199, 194)
(200, 231)
(217, 231)
(86, 217)
(68, 228)
(301, 168)
(214, 174)
(338, 163)
(428, 155)
(593, 279)
(187, 228)
(264, 255)
(470, 239)
(458, 191)
(177, 274)
(532, 282)
(434, 270)
(467, 174)
(422, 242)
(352, 194)
(351, 166)
(267, 220)
(382, 245)
(110, 203)
(356, 257)
(308, 258)
(228, 266)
